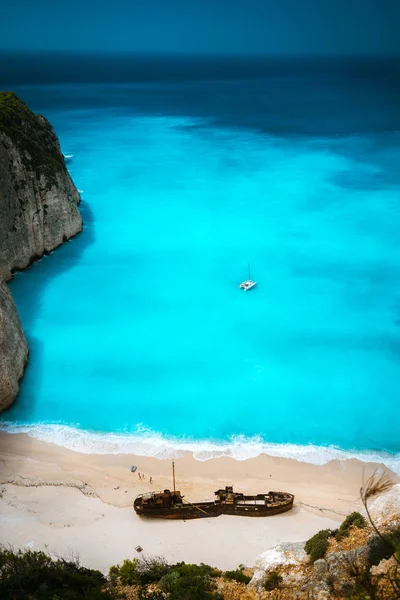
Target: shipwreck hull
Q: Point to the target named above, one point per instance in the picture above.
(257, 511)
(183, 511)
(203, 510)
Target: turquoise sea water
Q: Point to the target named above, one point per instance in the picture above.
(137, 330)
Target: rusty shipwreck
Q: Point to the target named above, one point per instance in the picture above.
(172, 504)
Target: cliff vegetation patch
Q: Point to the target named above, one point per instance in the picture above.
(32, 135)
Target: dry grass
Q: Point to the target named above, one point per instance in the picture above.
(238, 591)
(356, 538)
(130, 591)
(376, 484)
(232, 590)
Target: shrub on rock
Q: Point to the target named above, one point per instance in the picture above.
(378, 549)
(238, 576)
(273, 581)
(317, 546)
(139, 572)
(383, 547)
(355, 519)
(190, 582)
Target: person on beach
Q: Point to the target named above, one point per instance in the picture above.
(151, 480)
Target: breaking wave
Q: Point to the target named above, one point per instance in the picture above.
(144, 442)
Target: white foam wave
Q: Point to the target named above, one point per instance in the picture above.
(144, 442)
(68, 156)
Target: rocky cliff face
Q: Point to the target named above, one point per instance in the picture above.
(13, 349)
(38, 200)
(38, 211)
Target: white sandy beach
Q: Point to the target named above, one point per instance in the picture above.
(79, 504)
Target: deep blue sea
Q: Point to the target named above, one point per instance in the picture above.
(189, 167)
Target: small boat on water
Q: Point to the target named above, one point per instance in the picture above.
(248, 284)
(172, 505)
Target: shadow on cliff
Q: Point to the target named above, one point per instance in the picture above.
(24, 406)
(27, 288)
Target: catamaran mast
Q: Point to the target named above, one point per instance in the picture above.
(173, 474)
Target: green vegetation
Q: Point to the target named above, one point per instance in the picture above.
(355, 519)
(378, 549)
(35, 576)
(176, 582)
(32, 134)
(190, 582)
(139, 572)
(317, 546)
(238, 576)
(273, 581)
(384, 546)
(393, 537)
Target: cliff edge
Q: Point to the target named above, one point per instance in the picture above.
(38, 199)
(13, 349)
(38, 212)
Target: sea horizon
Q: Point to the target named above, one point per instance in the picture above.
(20, 67)
(189, 169)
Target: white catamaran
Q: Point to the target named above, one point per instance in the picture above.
(248, 284)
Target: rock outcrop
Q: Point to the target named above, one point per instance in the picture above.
(286, 553)
(13, 349)
(38, 200)
(386, 508)
(38, 211)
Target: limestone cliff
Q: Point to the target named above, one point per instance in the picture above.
(38, 211)
(38, 200)
(13, 349)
